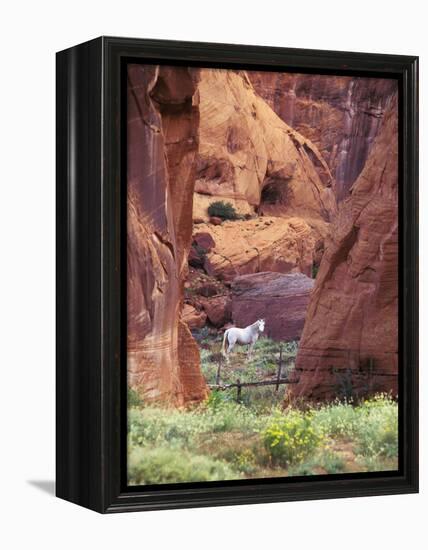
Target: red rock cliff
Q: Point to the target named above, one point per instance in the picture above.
(252, 158)
(350, 337)
(281, 300)
(340, 115)
(261, 244)
(163, 119)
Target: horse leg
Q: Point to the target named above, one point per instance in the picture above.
(229, 349)
(250, 351)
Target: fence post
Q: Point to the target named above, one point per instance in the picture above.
(278, 376)
(370, 375)
(238, 390)
(217, 378)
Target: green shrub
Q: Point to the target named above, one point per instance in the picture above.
(209, 370)
(258, 438)
(216, 399)
(230, 416)
(337, 419)
(315, 269)
(147, 466)
(373, 425)
(345, 389)
(306, 468)
(375, 464)
(157, 426)
(327, 461)
(291, 347)
(267, 344)
(151, 426)
(245, 460)
(223, 210)
(377, 431)
(291, 438)
(134, 399)
(201, 335)
(332, 462)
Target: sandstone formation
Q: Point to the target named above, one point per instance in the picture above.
(261, 244)
(163, 120)
(250, 157)
(341, 115)
(207, 299)
(281, 300)
(350, 339)
(280, 148)
(218, 309)
(193, 318)
(204, 241)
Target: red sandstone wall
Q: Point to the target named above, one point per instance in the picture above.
(340, 115)
(163, 118)
(350, 336)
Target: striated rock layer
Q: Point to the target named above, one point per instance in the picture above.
(250, 157)
(341, 115)
(262, 244)
(281, 300)
(350, 340)
(163, 118)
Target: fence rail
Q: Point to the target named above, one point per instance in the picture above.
(247, 384)
(239, 385)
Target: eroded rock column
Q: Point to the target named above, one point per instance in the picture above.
(163, 118)
(350, 340)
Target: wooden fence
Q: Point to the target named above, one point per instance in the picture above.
(239, 385)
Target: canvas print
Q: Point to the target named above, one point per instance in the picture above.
(262, 274)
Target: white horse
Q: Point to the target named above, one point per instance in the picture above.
(243, 336)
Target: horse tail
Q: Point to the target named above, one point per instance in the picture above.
(223, 346)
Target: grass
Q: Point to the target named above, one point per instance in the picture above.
(173, 465)
(327, 462)
(372, 424)
(221, 439)
(262, 366)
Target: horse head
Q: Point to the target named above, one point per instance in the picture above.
(261, 323)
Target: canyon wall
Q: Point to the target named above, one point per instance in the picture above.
(198, 136)
(163, 121)
(262, 244)
(250, 157)
(350, 339)
(281, 300)
(279, 185)
(341, 115)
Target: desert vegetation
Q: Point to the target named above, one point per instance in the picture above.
(223, 210)
(253, 219)
(257, 437)
(222, 439)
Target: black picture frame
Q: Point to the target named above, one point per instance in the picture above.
(91, 365)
